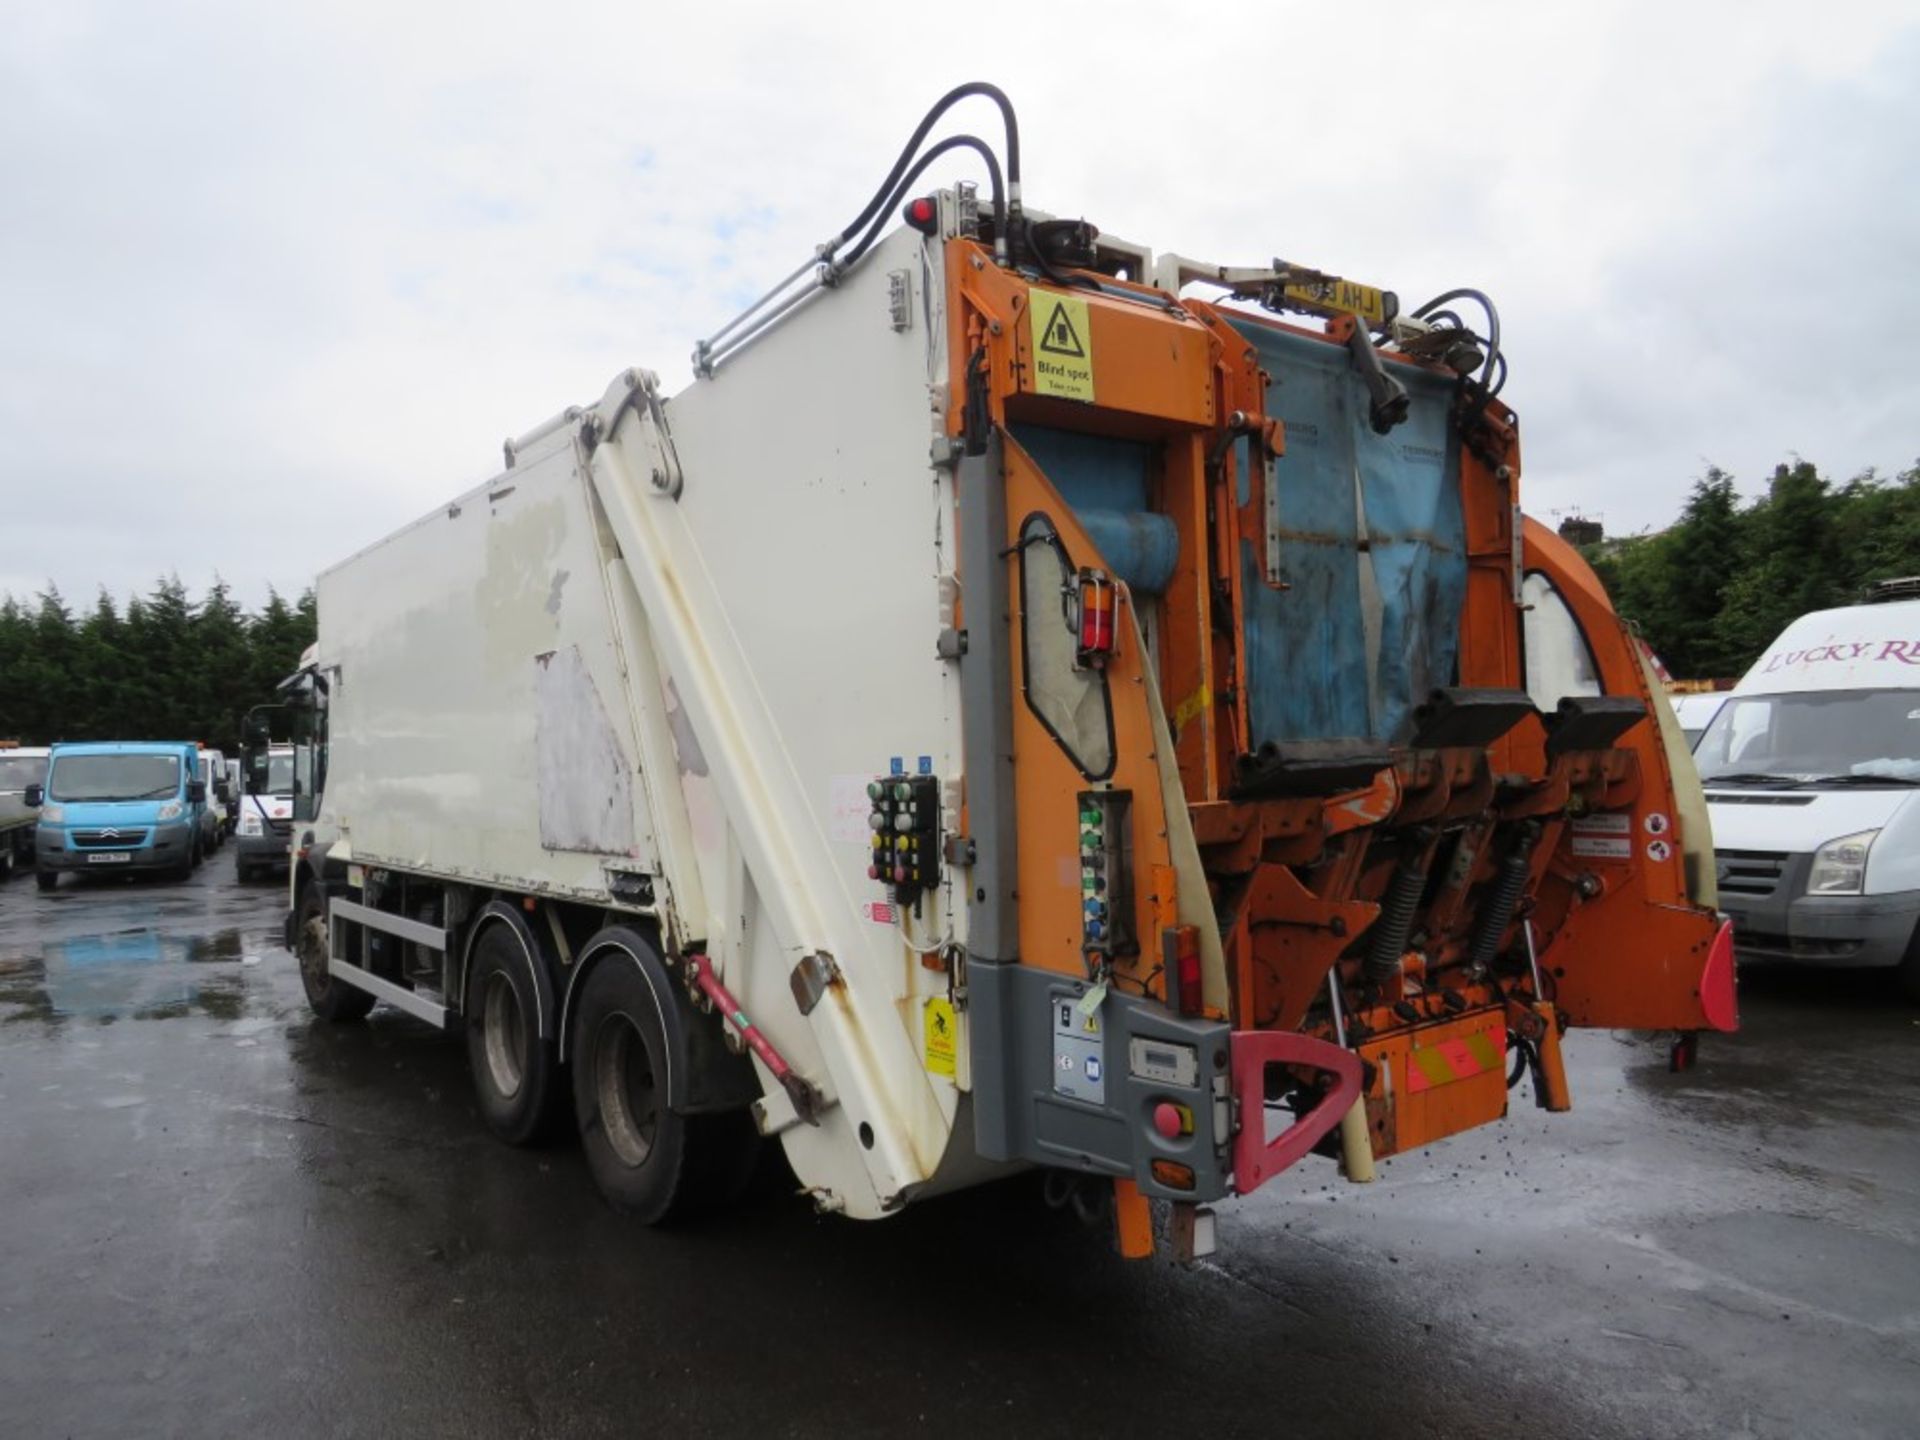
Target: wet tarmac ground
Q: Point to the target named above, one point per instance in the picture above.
(220, 1217)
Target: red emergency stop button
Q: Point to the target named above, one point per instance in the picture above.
(1166, 1119)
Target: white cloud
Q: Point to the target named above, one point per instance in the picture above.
(276, 281)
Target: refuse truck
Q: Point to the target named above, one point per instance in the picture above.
(1032, 700)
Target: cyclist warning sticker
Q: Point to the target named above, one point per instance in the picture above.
(1062, 345)
(943, 1046)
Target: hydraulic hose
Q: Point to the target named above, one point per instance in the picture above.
(882, 202)
(884, 215)
(1387, 941)
(1509, 884)
(1481, 299)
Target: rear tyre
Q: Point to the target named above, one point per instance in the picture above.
(516, 1075)
(331, 999)
(636, 1147)
(46, 879)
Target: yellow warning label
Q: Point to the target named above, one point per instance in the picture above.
(1062, 345)
(943, 1045)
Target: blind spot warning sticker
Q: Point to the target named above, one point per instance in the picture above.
(1062, 345)
(943, 1044)
(1659, 851)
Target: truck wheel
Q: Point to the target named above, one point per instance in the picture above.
(332, 1000)
(637, 1148)
(242, 871)
(515, 1073)
(46, 879)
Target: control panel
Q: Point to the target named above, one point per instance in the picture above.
(1106, 873)
(906, 835)
(1079, 1049)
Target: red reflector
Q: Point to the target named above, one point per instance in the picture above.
(922, 214)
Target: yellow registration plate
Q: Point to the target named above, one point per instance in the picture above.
(1343, 296)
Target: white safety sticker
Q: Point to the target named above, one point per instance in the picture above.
(1612, 823)
(848, 808)
(1603, 847)
(1657, 823)
(1659, 851)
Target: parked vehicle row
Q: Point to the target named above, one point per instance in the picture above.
(122, 807)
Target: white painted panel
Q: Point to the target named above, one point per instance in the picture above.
(431, 637)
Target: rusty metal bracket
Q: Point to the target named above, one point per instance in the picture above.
(806, 1099)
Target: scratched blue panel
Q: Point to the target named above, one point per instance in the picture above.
(1317, 669)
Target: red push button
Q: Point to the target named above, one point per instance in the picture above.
(1166, 1119)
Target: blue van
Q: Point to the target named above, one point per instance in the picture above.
(119, 806)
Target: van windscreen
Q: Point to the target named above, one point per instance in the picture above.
(19, 771)
(114, 777)
(1815, 733)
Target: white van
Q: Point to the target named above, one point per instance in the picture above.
(1812, 769)
(211, 768)
(1696, 712)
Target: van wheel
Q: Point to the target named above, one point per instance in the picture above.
(1910, 969)
(331, 999)
(516, 1075)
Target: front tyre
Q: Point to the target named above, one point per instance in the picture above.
(330, 997)
(516, 1079)
(1910, 969)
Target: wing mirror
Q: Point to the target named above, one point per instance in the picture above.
(36, 796)
(196, 792)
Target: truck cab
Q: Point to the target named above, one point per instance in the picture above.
(119, 806)
(1812, 769)
(21, 766)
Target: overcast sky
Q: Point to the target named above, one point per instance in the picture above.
(275, 279)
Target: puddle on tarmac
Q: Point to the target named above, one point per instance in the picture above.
(135, 974)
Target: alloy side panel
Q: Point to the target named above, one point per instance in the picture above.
(479, 724)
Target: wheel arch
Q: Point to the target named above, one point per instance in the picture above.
(537, 953)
